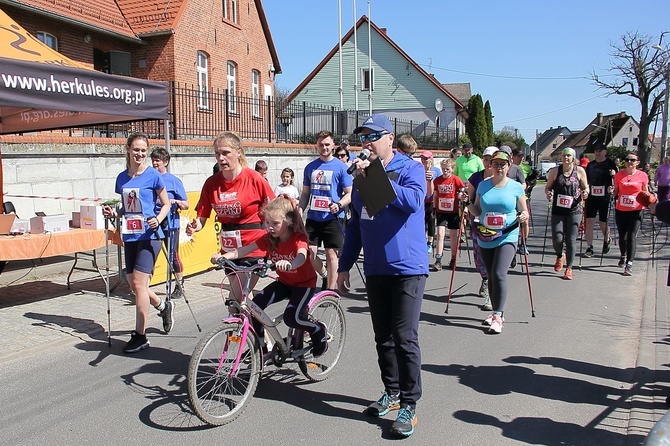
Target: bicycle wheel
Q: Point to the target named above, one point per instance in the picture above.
(328, 311)
(217, 396)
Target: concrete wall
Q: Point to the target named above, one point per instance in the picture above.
(89, 170)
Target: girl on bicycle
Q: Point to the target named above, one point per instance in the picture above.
(286, 243)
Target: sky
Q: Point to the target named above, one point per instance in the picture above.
(532, 59)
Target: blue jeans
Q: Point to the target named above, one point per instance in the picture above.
(395, 307)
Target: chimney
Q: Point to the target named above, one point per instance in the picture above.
(383, 30)
(622, 114)
(599, 119)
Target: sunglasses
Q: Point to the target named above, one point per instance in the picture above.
(341, 155)
(372, 137)
(630, 160)
(499, 165)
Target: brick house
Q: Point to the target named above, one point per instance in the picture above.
(219, 57)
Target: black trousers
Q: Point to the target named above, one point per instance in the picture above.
(395, 307)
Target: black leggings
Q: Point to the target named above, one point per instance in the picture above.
(564, 230)
(628, 223)
(497, 261)
(295, 314)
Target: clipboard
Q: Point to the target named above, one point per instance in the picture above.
(375, 188)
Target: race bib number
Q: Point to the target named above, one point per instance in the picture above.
(494, 220)
(230, 240)
(445, 204)
(319, 204)
(627, 201)
(598, 191)
(132, 224)
(564, 201)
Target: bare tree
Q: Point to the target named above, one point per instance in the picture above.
(639, 71)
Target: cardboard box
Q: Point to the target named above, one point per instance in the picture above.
(20, 226)
(90, 217)
(76, 220)
(50, 223)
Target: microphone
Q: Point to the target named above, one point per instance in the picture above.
(365, 153)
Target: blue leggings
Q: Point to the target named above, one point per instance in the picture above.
(497, 261)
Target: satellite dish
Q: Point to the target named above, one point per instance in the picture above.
(438, 105)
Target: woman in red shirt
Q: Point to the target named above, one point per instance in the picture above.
(627, 184)
(447, 190)
(287, 245)
(236, 193)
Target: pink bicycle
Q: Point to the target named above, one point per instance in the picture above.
(228, 361)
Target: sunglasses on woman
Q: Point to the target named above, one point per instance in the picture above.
(630, 160)
(341, 155)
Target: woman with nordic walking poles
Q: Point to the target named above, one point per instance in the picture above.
(566, 189)
(447, 195)
(628, 183)
(142, 234)
(500, 203)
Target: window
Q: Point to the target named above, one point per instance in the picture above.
(367, 79)
(255, 92)
(232, 70)
(233, 10)
(48, 39)
(203, 80)
(225, 9)
(624, 142)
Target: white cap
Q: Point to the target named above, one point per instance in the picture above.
(489, 151)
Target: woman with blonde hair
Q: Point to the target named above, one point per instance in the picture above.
(237, 194)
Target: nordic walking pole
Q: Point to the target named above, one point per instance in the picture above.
(530, 288)
(581, 241)
(171, 271)
(609, 232)
(546, 226)
(453, 269)
(109, 308)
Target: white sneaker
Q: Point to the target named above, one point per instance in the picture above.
(496, 324)
(489, 319)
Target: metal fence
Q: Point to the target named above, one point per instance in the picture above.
(196, 114)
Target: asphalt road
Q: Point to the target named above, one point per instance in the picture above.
(566, 376)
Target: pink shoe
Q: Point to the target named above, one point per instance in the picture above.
(568, 274)
(496, 324)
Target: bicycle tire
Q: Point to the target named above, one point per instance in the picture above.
(216, 397)
(327, 310)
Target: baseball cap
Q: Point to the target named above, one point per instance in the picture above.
(467, 145)
(517, 152)
(600, 146)
(501, 155)
(376, 123)
(506, 149)
(489, 151)
(427, 154)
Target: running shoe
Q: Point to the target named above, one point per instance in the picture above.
(523, 250)
(320, 340)
(489, 319)
(438, 265)
(622, 262)
(486, 306)
(496, 324)
(383, 405)
(513, 264)
(177, 292)
(568, 273)
(628, 269)
(452, 264)
(484, 288)
(589, 251)
(607, 245)
(559, 263)
(168, 316)
(430, 249)
(137, 342)
(403, 426)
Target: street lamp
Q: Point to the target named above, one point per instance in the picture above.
(664, 132)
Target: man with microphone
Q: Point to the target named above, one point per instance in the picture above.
(326, 189)
(395, 267)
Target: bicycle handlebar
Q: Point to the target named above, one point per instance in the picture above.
(260, 269)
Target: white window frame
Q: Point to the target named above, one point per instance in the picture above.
(231, 82)
(48, 39)
(255, 93)
(202, 70)
(233, 10)
(226, 12)
(366, 72)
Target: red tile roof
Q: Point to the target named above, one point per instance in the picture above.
(103, 14)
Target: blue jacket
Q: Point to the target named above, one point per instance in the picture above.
(394, 241)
